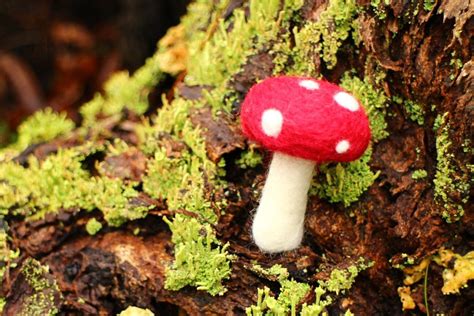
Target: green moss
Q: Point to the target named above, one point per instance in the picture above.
(291, 293)
(323, 37)
(182, 180)
(57, 182)
(7, 257)
(419, 174)
(42, 126)
(447, 181)
(428, 5)
(340, 280)
(249, 159)
(114, 198)
(93, 226)
(222, 53)
(415, 111)
(45, 290)
(124, 91)
(60, 182)
(200, 259)
(344, 182)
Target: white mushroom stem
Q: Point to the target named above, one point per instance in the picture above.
(279, 222)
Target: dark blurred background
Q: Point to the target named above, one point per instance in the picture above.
(58, 53)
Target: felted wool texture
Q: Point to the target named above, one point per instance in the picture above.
(278, 224)
(313, 122)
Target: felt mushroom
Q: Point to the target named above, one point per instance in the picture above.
(305, 122)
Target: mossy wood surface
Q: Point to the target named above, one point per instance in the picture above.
(149, 203)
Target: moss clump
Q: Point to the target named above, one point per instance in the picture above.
(184, 179)
(249, 159)
(340, 280)
(124, 91)
(200, 260)
(61, 182)
(344, 183)
(419, 174)
(221, 53)
(323, 37)
(113, 198)
(446, 180)
(93, 226)
(46, 294)
(291, 293)
(42, 126)
(57, 182)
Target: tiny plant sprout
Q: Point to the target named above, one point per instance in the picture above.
(305, 122)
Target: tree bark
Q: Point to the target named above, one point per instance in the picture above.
(425, 55)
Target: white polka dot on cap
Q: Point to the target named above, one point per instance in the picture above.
(272, 121)
(347, 101)
(309, 84)
(342, 146)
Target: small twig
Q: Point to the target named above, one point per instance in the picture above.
(425, 289)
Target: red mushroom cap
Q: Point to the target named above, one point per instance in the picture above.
(306, 118)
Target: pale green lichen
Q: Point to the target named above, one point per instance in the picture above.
(93, 226)
(447, 180)
(200, 260)
(45, 291)
(342, 279)
(419, 174)
(291, 294)
(319, 305)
